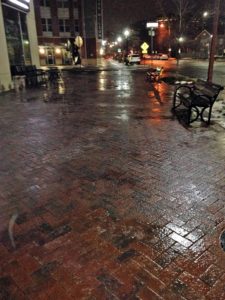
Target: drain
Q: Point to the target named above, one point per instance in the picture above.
(222, 240)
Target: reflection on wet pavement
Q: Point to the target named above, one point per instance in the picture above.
(113, 198)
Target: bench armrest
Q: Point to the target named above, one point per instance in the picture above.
(184, 89)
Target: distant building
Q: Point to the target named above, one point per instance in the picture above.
(61, 20)
(34, 32)
(202, 44)
(199, 47)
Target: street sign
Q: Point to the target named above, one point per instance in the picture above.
(79, 41)
(151, 32)
(152, 25)
(144, 48)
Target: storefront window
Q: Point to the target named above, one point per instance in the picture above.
(16, 36)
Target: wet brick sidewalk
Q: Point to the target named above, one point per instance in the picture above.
(112, 198)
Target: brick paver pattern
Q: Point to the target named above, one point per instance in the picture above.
(112, 198)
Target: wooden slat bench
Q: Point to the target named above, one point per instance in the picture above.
(198, 98)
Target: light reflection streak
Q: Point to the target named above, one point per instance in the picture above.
(102, 84)
(122, 85)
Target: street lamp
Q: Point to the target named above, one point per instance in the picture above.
(119, 39)
(214, 39)
(126, 33)
(205, 14)
(180, 39)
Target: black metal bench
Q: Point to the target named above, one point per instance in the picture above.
(33, 76)
(154, 74)
(197, 98)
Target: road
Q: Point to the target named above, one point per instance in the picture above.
(199, 69)
(190, 68)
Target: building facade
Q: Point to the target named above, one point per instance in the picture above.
(60, 21)
(36, 32)
(18, 38)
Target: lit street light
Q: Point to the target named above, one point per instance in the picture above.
(180, 39)
(119, 39)
(126, 33)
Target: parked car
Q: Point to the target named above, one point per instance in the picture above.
(133, 59)
(158, 56)
(163, 56)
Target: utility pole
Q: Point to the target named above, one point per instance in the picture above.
(214, 40)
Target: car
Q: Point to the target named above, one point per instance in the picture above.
(133, 59)
(157, 56)
(163, 56)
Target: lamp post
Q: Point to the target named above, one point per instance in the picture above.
(214, 40)
(205, 16)
(180, 41)
(152, 26)
(126, 34)
(119, 39)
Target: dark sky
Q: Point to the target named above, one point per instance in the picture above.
(119, 14)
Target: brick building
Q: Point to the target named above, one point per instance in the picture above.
(58, 21)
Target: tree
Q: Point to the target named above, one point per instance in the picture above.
(183, 12)
(183, 8)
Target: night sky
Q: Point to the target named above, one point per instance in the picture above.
(119, 14)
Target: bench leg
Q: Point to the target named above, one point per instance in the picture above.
(191, 110)
(175, 100)
(209, 115)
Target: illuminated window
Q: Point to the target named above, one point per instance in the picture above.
(46, 25)
(64, 25)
